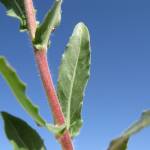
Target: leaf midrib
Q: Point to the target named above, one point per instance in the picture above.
(72, 84)
(17, 134)
(17, 5)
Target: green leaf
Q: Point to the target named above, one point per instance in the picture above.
(15, 8)
(51, 21)
(19, 88)
(121, 142)
(20, 134)
(73, 76)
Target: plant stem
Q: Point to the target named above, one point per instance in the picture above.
(45, 74)
(42, 63)
(31, 19)
(41, 59)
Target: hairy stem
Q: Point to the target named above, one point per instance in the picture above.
(42, 63)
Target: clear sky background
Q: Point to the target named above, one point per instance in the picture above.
(119, 86)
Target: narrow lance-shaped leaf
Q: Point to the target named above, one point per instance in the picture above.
(121, 142)
(20, 134)
(19, 88)
(73, 77)
(15, 8)
(51, 21)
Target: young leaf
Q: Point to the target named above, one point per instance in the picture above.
(121, 142)
(51, 21)
(21, 135)
(15, 8)
(73, 77)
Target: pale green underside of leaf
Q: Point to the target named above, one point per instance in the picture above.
(15, 8)
(121, 142)
(20, 134)
(51, 21)
(73, 77)
(19, 88)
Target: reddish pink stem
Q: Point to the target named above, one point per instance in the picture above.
(31, 19)
(45, 74)
(41, 60)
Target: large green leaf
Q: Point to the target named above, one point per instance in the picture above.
(121, 142)
(73, 77)
(21, 135)
(18, 88)
(51, 21)
(15, 8)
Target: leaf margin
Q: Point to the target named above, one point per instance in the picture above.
(136, 127)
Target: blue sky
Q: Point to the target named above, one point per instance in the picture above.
(119, 86)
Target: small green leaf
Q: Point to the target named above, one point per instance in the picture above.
(51, 21)
(121, 142)
(21, 135)
(15, 8)
(73, 77)
(18, 88)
